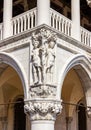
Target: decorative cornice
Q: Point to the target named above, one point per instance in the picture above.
(43, 110)
(5, 45)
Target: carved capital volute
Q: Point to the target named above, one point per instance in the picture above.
(43, 109)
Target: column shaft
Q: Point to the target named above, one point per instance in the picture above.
(75, 7)
(42, 125)
(43, 12)
(7, 17)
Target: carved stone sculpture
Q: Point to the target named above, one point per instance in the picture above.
(43, 58)
(36, 62)
(50, 59)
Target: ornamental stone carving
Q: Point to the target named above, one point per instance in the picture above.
(43, 110)
(43, 59)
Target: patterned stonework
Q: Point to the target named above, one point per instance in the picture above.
(43, 110)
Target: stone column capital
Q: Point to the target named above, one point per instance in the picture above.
(43, 109)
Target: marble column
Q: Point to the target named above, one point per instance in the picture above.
(75, 12)
(43, 12)
(7, 17)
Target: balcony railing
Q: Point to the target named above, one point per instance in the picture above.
(27, 21)
(64, 25)
(24, 22)
(60, 22)
(85, 37)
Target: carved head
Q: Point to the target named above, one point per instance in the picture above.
(35, 44)
(51, 44)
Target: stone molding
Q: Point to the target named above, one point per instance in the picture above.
(43, 109)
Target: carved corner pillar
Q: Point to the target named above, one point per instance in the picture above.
(43, 109)
(89, 2)
(43, 64)
(42, 106)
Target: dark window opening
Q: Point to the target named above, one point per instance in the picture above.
(69, 15)
(57, 8)
(81, 117)
(19, 116)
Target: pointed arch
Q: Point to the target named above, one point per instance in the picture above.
(16, 65)
(78, 60)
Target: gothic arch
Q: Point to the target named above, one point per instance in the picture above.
(77, 61)
(16, 65)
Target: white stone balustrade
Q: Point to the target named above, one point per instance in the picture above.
(27, 20)
(60, 22)
(1, 31)
(24, 22)
(85, 37)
